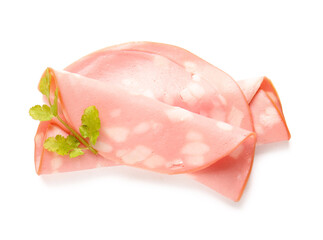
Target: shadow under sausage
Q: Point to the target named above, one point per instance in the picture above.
(271, 147)
(180, 181)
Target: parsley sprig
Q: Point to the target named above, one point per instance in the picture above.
(67, 145)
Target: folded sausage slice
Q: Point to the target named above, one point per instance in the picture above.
(166, 110)
(139, 131)
(266, 109)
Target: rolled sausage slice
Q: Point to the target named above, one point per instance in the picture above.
(166, 110)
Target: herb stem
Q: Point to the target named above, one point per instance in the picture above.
(77, 135)
(50, 104)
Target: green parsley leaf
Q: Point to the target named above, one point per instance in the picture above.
(72, 141)
(41, 113)
(66, 145)
(44, 85)
(53, 108)
(61, 145)
(76, 152)
(90, 124)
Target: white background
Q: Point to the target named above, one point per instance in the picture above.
(284, 197)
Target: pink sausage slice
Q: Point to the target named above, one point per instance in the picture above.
(267, 113)
(142, 132)
(166, 110)
(173, 76)
(177, 77)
